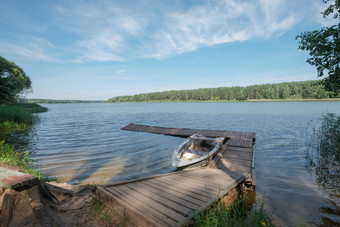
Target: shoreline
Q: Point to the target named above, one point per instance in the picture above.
(249, 100)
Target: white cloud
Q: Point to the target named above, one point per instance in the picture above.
(112, 31)
(32, 51)
(220, 22)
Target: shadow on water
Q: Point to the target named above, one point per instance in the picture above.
(141, 155)
(323, 162)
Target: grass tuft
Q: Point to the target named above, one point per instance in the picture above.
(22, 160)
(236, 215)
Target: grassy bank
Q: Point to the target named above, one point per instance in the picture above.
(18, 117)
(23, 161)
(32, 107)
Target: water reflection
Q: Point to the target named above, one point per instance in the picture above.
(323, 162)
(83, 143)
(20, 139)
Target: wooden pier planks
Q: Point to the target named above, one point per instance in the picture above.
(14, 179)
(172, 199)
(237, 139)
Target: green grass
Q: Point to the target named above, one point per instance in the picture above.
(236, 215)
(32, 107)
(22, 160)
(19, 116)
(6, 125)
(15, 114)
(13, 118)
(100, 210)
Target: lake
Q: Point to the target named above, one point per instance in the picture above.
(83, 143)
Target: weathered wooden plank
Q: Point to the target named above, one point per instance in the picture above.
(160, 199)
(142, 207)
(235, 138)
(180, 194)
(184, 203)
(217, 181)
(183, 193)
(198, 182)
(138, 207)
(234, 162)
(128, 208)
(14, 179)
(240, 149)
(189, 190)
(196, 187)
(247, 156)
(223, 193)
(177, 217)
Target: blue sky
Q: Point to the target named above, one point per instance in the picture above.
(98, 49)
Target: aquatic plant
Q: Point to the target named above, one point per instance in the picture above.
(15, 114)
(32, 107)
(323, 152)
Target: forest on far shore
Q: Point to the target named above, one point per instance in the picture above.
(288, 90)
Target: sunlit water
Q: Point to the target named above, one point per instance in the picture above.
(83, 143)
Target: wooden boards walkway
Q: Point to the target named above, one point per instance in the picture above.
(14, 179)
(173, 199)
(237, 139)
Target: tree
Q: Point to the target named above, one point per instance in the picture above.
(324, 48)
(13, 81)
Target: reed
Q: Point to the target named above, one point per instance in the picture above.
(15, 114)
(32, 107)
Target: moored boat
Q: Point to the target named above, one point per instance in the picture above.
(196, 150)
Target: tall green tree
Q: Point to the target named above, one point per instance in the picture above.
(324, 48)
(13, 81)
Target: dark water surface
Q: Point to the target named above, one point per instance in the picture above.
(83, 143)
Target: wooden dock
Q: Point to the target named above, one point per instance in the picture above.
(172, 199)
(237, 139)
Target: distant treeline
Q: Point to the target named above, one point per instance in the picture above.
(53, 101)
(289, 90)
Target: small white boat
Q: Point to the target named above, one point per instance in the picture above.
(196, 149)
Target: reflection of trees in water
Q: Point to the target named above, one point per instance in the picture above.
(323, 153)
(20, 139)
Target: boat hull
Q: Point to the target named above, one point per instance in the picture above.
(196, 151)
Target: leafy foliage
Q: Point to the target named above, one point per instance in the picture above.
(324, 48)
(13, 81)
(291, 90)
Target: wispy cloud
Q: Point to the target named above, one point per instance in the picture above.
(221, 22)
(33, 51)
(117, 31)
(103, 30)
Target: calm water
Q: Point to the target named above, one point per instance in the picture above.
(83, 143)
